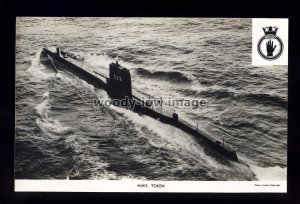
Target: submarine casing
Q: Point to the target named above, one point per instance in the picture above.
(118, 86)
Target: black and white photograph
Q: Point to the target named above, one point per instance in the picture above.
(150, 100)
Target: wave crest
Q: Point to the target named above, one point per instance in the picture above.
(173, 76)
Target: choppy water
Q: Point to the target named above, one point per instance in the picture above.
(60, 133)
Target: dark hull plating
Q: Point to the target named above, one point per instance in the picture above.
(61, 63)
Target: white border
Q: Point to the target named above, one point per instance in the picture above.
(257, 32)
(133, 186)
(168, 186)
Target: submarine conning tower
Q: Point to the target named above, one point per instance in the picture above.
(118, 86)
(119, 81)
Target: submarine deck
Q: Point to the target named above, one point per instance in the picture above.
(85, 73)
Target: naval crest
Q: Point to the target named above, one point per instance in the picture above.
(270, 46)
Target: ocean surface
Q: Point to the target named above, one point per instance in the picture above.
(60, 134)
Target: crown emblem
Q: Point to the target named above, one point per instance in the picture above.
(270, 30)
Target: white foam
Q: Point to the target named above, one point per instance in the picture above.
(45, 122)
(67, 79)
(37, 69)
(46, 94)
(101, 61)
(53, 126)
(171, 137)
(89, 86)
(41, 106)
(269, 173)
(174, 139)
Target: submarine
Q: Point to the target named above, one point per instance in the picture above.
(118, 86)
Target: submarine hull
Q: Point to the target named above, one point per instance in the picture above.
(61, 63)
